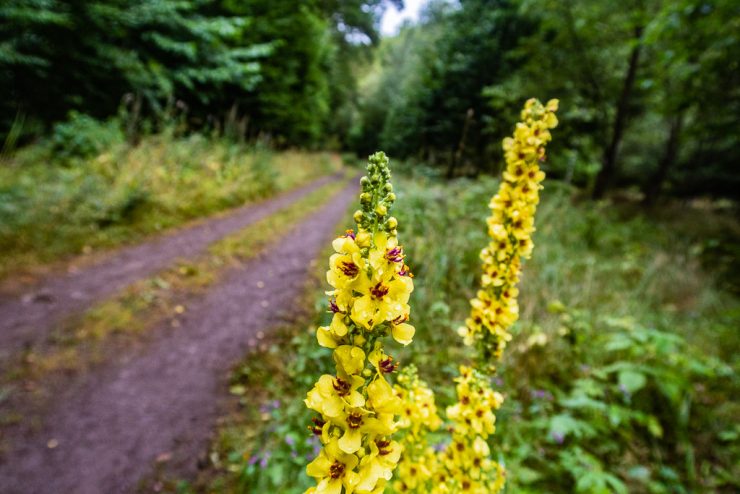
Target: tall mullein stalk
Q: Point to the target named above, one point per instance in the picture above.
(357, 406)
(465, 464)
(510, 227)
(494, 309)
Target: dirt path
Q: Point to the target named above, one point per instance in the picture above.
(110, 426)
(26, 320)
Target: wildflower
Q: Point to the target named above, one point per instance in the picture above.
(510, 227)
(334, 469)
(358, 406)
(465, 464)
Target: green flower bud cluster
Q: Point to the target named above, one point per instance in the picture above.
(377, 197)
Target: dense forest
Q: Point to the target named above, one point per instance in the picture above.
(650, 90)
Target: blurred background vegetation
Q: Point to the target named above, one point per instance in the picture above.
(125, 117)
(650, 89)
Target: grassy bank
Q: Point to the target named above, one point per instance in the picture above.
(53, 205)
(622, 375)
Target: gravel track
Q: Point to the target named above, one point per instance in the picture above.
(26, 320)
(110, 426)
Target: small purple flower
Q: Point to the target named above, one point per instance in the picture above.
(498, 381)
(537, 393)
(439, 447)
(275, 404)
(254, 459)
(289, 441)
(557, 437)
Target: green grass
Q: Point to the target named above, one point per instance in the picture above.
(52, 207)
(621, 377)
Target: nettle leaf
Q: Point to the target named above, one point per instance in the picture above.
(564, 424)
(631, 381)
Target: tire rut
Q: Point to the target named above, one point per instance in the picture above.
(27, 320)
(110, 426)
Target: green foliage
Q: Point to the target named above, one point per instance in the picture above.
(115, 196)
(271, 62)
(672, 125)
(82, 136)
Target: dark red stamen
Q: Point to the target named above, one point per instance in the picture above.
(349, 268)
(387, 366)
(334, 307)
(395, 254)
(341, 386)
(379, 291)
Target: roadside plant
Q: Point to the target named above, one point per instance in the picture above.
(464, 463)
(357, 407)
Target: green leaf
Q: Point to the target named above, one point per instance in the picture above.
(631, 381)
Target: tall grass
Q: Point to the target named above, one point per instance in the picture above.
(53, 207)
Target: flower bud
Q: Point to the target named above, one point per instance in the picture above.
(364, 181)
(389, 187)
(363, 239)
(358, 216)
(381, 210)
(366, 198)
(391, 197)
(392, 223)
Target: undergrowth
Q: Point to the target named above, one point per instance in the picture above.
(622, 375)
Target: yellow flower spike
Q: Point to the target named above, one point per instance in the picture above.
(465, 465)
(371, 287)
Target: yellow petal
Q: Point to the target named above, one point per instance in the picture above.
(350, 441)
(325, 338)
(403, 333)
(319, 467)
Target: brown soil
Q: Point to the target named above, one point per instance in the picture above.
(106, 430)
(27, 319)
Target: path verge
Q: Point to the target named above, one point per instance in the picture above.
(109, 427)
(26, 319)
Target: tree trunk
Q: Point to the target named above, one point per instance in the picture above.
(609, 163)
(457, 155)
(670, 153)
